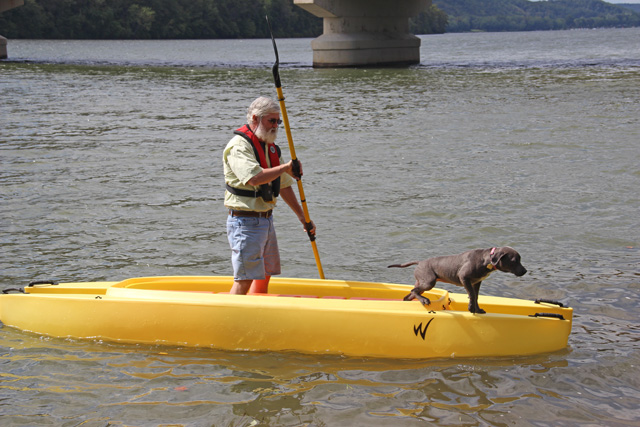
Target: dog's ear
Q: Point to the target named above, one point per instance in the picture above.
(497, 256)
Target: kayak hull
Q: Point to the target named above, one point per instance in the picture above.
(302, 315)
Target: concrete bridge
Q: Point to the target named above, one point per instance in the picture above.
(356, 33)
(6, 5)
(360, 33)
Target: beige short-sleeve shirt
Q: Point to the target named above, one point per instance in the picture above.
(240, 165)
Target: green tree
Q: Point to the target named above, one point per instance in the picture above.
(518, 15)
(140, 20)
(431, 21)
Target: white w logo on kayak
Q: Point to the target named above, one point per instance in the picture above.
(422, 331)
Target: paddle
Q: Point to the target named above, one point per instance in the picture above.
(292, 150)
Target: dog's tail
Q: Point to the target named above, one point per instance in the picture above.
(406, 264)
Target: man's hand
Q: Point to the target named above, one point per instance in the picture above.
(296, 169)
(310, 228)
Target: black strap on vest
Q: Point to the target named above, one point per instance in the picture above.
(244, 193)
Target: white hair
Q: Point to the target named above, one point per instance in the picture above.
(261, 107)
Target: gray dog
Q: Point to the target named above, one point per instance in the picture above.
(467, 269)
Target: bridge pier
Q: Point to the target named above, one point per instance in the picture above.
(3, 48)
(6, 5)
(361, 33)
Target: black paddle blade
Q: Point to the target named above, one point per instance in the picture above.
(276, 72)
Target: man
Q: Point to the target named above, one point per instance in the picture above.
(255, 175)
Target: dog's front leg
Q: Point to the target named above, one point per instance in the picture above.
(473, 291)
(476, 289)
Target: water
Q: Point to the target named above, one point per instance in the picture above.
(111, 169)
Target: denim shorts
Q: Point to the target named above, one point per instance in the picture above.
(254, 247)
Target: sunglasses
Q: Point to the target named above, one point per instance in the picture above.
(275, 121)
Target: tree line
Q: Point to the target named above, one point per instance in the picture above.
(172, 19)
(157, 19)
(524, 15)
(231, 19)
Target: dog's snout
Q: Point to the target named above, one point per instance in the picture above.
(521, 272)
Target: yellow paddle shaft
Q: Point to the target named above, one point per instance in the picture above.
(303, 199)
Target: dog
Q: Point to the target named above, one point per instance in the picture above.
(467, 269)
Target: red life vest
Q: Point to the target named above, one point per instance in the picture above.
(274, 151)
(258, 149)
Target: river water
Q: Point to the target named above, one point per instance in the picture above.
(111, 168)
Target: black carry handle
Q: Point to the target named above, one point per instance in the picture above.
(43, 282)
(6, 291)
(551, 315)
(549, 301)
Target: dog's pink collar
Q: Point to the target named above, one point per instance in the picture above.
(490, 266)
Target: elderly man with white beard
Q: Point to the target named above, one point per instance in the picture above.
(255, 176)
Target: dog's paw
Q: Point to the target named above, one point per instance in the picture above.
(425, 301)
(476, 310)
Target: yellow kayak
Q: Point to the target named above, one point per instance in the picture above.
(303, 315)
